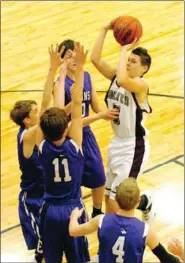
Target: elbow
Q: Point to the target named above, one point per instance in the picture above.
(93, 59)
(121, 81)
(95, 108)
(72, 232)
(58, 105)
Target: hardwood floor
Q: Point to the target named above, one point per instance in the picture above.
(28, 28)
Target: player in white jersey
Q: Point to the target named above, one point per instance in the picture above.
(128, 151)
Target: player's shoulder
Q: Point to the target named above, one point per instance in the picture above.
(67, 146)
(87, 74)
(140, 80)
(21, 133)
(41, 146)
(72, 145)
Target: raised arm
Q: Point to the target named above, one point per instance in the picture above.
(75, 130)
(136, 85)
(29, 139)
(102, 66)
(59, 87)
(58, 90)
(55, 62)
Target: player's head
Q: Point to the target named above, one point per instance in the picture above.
(69, 45)
(128, 194)
(54, 123)
(25, 113)
(139, 62)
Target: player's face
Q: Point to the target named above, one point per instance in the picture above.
(72, 64)
(33, 115)
(134, 66)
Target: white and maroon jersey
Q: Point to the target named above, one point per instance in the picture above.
(130, 121)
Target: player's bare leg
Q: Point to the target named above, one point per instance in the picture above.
(97, 197)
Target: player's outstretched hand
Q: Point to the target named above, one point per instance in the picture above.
(111, 114)
(133, 44)
(176, 247)
(109, 26)
(81, 55)
(55, 56)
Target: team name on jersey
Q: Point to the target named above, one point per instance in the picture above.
(118, 96)
(86, 95)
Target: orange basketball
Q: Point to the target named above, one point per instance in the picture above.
(126, 29)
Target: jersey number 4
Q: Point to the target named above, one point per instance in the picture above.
(117, 249)
(57, 177)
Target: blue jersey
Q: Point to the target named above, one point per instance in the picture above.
(121, 239)
(94, 175)
(87, 91)
(63, 167)
(32, 178)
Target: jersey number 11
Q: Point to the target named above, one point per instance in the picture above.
(57, 177)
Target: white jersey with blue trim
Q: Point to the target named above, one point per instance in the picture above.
(129, 123)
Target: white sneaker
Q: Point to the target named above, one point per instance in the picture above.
(148, 215)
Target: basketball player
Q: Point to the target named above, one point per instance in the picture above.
(94, 175)
(176, 247)
(58, 101)
(63, 164)
(25, 113)
(128, 150)
(122, 237)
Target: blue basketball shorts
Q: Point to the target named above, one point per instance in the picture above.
(29, 215)
(56, 240)
(94, 174)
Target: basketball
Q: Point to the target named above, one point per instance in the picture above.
(126, 29)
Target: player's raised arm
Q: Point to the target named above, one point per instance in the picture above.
(75, 130)
(29, 139)
(59, 87)
(133, 84)
(55, 62)
(102, 66)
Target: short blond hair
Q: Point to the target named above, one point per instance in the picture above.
(128, 194)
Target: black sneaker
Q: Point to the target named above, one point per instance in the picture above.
(39, 258)
(94, 214)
